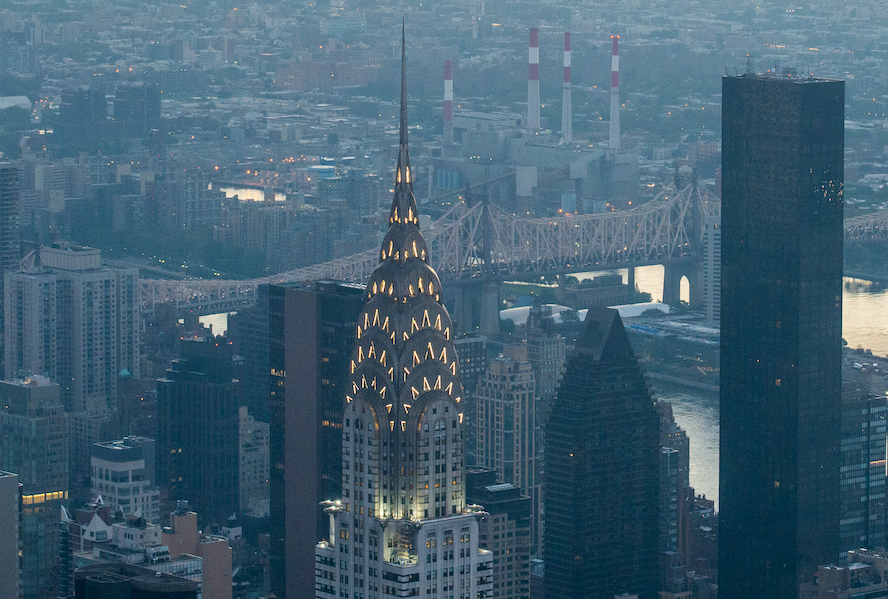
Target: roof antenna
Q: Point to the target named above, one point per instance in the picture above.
(403, 174)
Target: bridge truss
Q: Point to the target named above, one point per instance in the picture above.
(482, 243)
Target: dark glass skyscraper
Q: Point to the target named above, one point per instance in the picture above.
(601, 492)
(197, 440)
(312, 331)
(781, 334)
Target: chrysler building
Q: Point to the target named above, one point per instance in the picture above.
(402, 527)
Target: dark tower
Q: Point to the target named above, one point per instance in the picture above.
(10, 234)
(197, 440)
(781, 332)
(601, 492)
(312, 330)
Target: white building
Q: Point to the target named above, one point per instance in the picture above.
(75, 320)
(123, 476)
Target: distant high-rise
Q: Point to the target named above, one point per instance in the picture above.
(506, 402)
(601, 493)
(198, 437)
(10, 233)
(781, 332)
(312, 330)
(137, 108)
(75, 320)
(33, 445)
(674, 484)
(546, 351)
(863, 521)
(402, 527)
(505, 531)
(10, 579)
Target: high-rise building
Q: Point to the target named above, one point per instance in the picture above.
(254, 464)
(781, 331)
(10, 233)
(33, 445)
(711, 278)
(312, 329)
(249, 332)
(75, 320)
(674, 485)
(864, 515)
(137, 108)
(505, 531)
(602, 471)
(471, 348)
(402, 527)
(506, 401)
(198, 429)
(10, 500)
(123, 475)
(546, 351)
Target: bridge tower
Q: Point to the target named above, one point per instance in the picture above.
(672, 276)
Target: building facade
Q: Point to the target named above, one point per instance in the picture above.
(254, 440)
(10, 232)
(506, 404)
(33, 444)
(862, 480)
(198, 429)
(123, 475)
(76, 321)
(505, 531)
(311, 337)
(402, 526)
(10, 508)
(781, 331)
(602, 471)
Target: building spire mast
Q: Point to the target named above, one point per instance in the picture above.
(403, 175)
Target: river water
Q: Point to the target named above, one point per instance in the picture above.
(864, 324)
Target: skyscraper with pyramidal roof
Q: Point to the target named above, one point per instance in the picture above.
(401, 527)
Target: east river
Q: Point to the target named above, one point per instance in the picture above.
(864, 324)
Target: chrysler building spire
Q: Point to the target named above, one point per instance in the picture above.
(402, 447)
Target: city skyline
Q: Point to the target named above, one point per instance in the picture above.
(171, 172)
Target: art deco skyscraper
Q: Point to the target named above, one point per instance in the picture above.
(402, 527)
(781, 331)
(602, 453)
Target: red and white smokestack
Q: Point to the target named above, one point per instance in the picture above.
(615, 96)
(533, 81)
(448, 102)
(566, 110)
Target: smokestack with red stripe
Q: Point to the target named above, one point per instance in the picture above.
(566, 111)
(533, 81)
(448, 102)
(615, 96)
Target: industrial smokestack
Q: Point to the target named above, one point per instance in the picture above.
(448, 103)
(533, 81)
(615, 96)
(566, 111)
